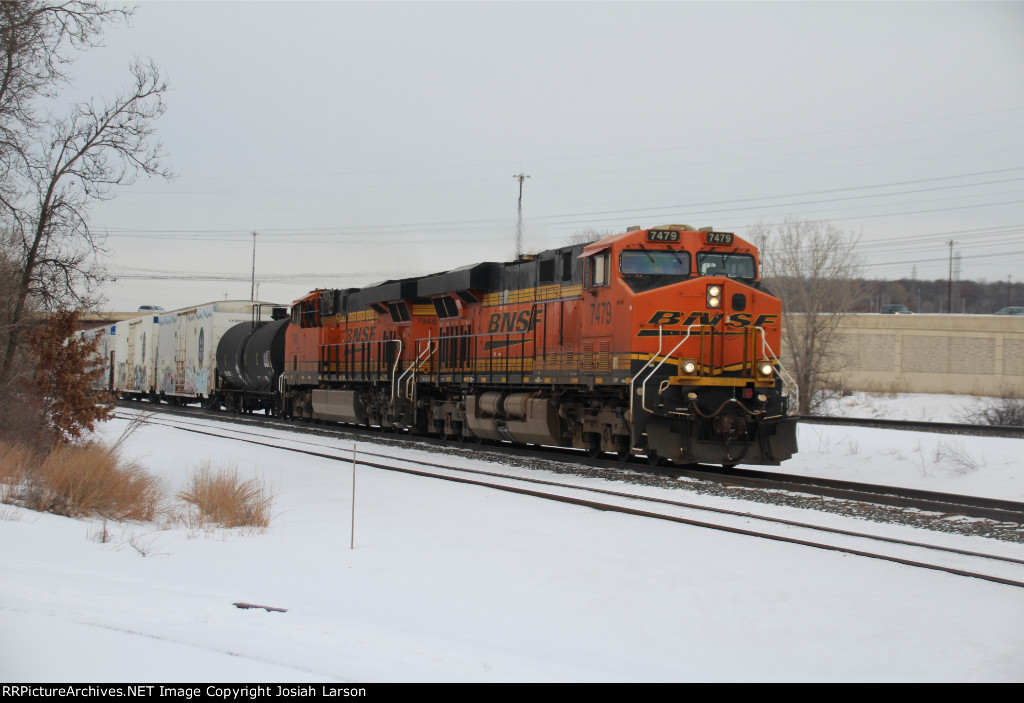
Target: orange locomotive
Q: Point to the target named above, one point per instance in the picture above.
(658, 342)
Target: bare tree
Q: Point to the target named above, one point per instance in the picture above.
(52, 169)
(34, 35)
(97, 147)
(586, 236)
(813, 266)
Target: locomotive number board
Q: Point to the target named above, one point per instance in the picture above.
(719, 238)
(662, 235)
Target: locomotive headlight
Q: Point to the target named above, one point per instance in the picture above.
(714, 296)
(765, 369)
(689, 368)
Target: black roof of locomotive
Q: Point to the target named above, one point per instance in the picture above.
(486, 277)
(386, 292)
(472, 277)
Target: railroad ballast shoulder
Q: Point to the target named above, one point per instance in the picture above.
(659, 342)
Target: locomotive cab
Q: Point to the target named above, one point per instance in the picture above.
(705, 383)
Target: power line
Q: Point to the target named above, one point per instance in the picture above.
(553, 219)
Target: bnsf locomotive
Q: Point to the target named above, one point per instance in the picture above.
(657, 342)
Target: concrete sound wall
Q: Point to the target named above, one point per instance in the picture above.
(968, 354)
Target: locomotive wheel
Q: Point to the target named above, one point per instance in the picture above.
(594, 451)
(653, 459)
(623, 453)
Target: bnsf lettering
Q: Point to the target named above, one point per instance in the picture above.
(671, 317)
(702, 318)
(667, 318)
(511, 322)
(742, 319)
(360, 334)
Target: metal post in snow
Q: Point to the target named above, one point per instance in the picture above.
(352, 531)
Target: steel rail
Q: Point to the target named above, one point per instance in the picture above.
(930, 501)
(610, 507)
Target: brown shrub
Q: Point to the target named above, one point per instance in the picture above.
(91, 480)
(17, 462)
(224, 499)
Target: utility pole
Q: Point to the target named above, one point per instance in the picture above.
(519, 225)
(252, 291)
(949, 289)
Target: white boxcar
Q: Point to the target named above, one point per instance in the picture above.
(104, 349)
(134, 359)
(186, 359)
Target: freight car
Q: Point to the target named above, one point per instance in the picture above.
(171, 356)
(658, 342)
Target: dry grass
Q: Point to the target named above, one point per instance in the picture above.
(222, 498)
(1004, 411)
(956, 458)
(91, 480)
(78, 481)
(16, 463)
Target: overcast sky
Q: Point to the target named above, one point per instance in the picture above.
(366, 141)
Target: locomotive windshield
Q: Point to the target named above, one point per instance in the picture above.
(646, 269)
(731, 265)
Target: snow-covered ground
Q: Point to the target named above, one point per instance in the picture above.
(932, 407)
(449, 582)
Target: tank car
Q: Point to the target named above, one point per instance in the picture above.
(250, 358)
(658, 342)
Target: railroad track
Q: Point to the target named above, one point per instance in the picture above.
(932, 501)
(905, 501)
(1003, 568)
(917, 426)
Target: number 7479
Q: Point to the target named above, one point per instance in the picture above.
(600, 313)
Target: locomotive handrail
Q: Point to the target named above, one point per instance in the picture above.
(785, 384)
(414, 367)
(766, 351)
(394, 369)
(650, 361)
(366, 362)
(506, 355)
(643, 386)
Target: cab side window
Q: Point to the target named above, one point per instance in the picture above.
(597, 270)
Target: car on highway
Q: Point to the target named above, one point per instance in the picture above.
(896, 310)
(1010, 311)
